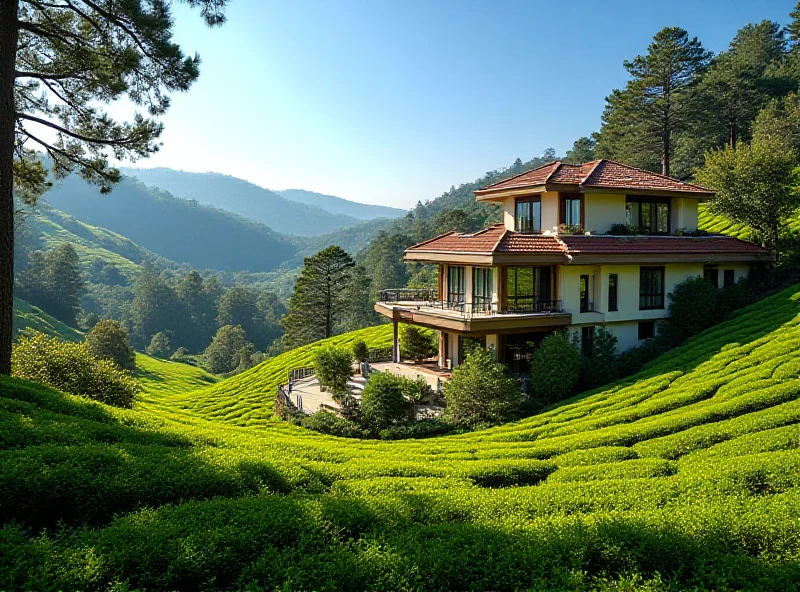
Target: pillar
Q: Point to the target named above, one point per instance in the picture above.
(395, 342)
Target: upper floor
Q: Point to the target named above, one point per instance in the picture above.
(597, 197)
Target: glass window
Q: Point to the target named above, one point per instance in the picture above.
(528, 288)
(728, 278)
(651, 288)
(572, 211)
(587, 341)
(711, 275)
(586, 304)
(647, 329)
(612, 291)
(528, 215)
(482, 288)
(456, 285)
(647, 215)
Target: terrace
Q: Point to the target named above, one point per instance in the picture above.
(423, 307)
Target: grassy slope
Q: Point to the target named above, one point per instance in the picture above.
(714, 223)
(687, 474)
(27, 316)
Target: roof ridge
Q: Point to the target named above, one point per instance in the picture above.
(499, 240)
(558, 164)
(520, 174)
(425, 242)
(651, 173)
(591, 172)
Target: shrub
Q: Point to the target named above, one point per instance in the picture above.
(382, 403)
(416, 343)
(621, 230)
(222, 354)
(424, 428)
(108, 340)
(328, 423)
(181, 355)
(694, 306)
(71, 367)
(360, 351)
(599, 362)
(481, 390)
(555, 369)
(416, 391)
(334, 367)
(159, 346)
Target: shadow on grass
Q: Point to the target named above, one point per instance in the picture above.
(334, 543)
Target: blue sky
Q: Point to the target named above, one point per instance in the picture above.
(394, 102)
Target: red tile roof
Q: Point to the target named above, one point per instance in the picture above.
(497, 239)
(604, 174)
(582, 244)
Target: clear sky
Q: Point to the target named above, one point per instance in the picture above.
(394, 102)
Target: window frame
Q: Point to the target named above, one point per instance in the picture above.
(486, 283)
(587, 340)
(528, 200)
(728, 278)
(652, 201)
(462, 284)
(546, 279)
(711, 275)
(659, 303)
(562, 208)
(613, 289)
(584, 295)
(651, 330)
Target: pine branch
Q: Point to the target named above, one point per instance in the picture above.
(77, 136)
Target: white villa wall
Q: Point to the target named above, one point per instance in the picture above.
(603, 210)
(550, 212)
(683, 214)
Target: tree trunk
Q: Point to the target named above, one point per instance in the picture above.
(665, 154)
(732, 134)
(8, 57)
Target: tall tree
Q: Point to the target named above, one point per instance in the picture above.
(155, 307)
(755, 185)
(655, 105)
(582, 151)
(59, 61)
(54, 281)
(320, 297)
(741, 80)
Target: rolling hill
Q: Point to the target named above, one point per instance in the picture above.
(337, 205)
(174, 228)
(27, 316)
(683, 477)
(245, 199)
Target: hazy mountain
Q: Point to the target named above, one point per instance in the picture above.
(337, 205)
(245, 199)
(174, 228)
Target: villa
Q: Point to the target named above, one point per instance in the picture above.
(600, 244)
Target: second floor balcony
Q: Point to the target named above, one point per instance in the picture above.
(423, 307)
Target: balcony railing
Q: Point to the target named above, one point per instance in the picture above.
(482, 306)
(408, 295)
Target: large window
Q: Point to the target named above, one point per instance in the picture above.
(586, 293)
(456, 284)
(651, 288)
(711, 275)
(528, 288)
(482, 288)
(648, 216)
(529, 215)
(572, 210)
(728, 278)
(613, 290)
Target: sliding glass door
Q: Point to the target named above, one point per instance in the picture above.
(456, 285)
(528, 289)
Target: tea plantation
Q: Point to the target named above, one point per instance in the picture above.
(684, 477)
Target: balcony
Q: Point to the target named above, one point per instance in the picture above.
(422, 307)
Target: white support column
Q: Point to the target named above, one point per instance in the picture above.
(395, 342)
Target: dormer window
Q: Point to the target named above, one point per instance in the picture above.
(528, 217)
(647, 214)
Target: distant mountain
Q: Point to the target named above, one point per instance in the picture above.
(337, 205)
(173, 228)
(245, 199)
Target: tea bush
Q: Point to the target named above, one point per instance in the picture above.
(71, 367)
(334, 367)
(683, 477)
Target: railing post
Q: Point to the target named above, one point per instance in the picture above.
(395, 343)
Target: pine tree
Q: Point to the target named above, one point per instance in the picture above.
(59, 61)
(654, 108)
(320, 297)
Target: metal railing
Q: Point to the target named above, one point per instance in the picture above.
(408, 295)
(296, 374)
(532, 306)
